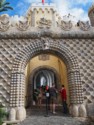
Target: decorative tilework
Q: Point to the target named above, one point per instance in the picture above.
(78, 55)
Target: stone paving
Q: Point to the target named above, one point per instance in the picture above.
(37, 117)
(53, 120)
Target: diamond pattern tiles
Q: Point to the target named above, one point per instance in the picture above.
(8, 50)
(81, 48)
(84, 51)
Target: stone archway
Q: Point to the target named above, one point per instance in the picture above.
(56, 48)
(35, 73)
(45, 67)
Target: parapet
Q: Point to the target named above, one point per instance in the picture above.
(40, 6)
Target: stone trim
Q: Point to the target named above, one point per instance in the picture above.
(52, 33)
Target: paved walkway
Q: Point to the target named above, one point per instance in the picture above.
(36, 116)
(53, 120)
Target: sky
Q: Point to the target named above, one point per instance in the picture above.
(77, 8)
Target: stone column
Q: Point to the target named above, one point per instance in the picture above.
(17, 94)
(53, 18)
(77, 108)
(33, 18)
(20, 113)
(17, 89)
(75, 87)
(12, 114)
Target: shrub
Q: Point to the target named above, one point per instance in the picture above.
(3, 115)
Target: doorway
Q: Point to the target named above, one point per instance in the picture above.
(45, 77)
(41, 73)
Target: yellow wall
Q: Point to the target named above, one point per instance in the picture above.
(53, 62)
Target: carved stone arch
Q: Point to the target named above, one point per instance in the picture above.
(38, 47)
(45, 67)
(36, 72)
(55, 48)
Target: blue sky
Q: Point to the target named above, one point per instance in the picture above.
(78, 8)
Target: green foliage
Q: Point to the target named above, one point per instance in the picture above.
(4, 6)
(3, 115)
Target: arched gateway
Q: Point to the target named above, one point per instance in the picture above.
(43, 31)
(42, 75)
(56, 48)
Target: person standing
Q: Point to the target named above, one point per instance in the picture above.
(40, 96)
(64, 98)
(35, 97)
(53, 98)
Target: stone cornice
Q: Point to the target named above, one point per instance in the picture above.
(53, 33)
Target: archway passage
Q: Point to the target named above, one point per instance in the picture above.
(44, 78)
(41, 73)
(41, 78)
(38, 47)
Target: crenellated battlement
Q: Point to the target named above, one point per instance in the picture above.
(44, 16)
(40, 5)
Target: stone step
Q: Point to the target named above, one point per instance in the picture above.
(41, 110)
(43, 106)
